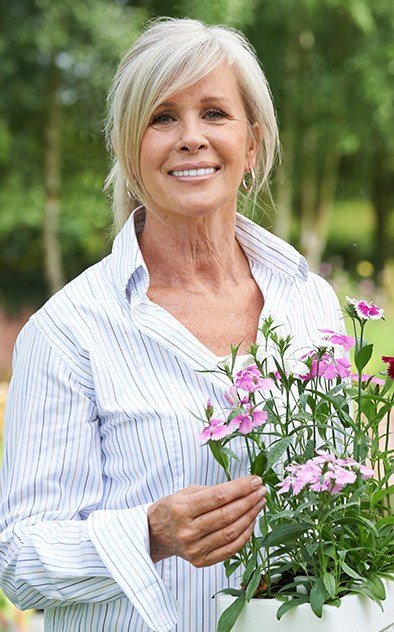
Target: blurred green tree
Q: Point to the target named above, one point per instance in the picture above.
(60, 56)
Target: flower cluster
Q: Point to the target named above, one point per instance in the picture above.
(250, 380)
(246, 420)
(326, 365)
(323, 473)
(314, 437)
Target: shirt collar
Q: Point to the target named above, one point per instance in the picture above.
(129, 268)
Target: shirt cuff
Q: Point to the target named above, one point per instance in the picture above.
(121, 539)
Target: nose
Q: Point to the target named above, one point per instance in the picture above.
(192, 137)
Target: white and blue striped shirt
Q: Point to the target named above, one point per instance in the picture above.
(98, 426)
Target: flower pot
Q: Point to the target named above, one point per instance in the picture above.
(356, 612)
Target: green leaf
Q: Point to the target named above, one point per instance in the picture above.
(229, 616)
(250, 567)
(234, 592)
(253, 584)
(259, 464)
(349, 571)
(230, 454)
(276, 451)
(363, 356)
(365, 590)
(286, 533)
(218, 454)
(384, 522)
(357, 520)
(271, 478)
(329, 584)
(311, 548)
(318, 597)
(309, 449)
(231, 568)
(376, 586)
(289, 605)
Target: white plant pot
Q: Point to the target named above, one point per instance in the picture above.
(356, 612)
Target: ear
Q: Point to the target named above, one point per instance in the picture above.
(255, 136)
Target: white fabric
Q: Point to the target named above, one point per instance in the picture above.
(99, 425)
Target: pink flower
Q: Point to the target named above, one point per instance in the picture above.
(250, 379)
(323, 484)
(365, 377)
(347, 462)
(327, 367)
(347, 342)
(390, 369)
(343, 476)
(248, 419)
(366, 311)
(231, 396)
(259, 417)
(324, 457)
(323, 473)
(365, 471)
(243, 423)
(285, 485)
(216, 430)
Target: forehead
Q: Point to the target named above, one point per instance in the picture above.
(220, 84)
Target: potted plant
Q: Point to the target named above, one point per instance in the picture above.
(318, 436)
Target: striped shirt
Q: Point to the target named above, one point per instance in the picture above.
(99, 425)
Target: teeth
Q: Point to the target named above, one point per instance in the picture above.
(194, 172)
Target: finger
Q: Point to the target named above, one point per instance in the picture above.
(227, 550)
(228, 514)
(220, 537)
(213, 497)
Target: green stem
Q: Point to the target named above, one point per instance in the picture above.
(358, 433)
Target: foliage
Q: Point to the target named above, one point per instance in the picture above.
(325, 88)
(327, 529)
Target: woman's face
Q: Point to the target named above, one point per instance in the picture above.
(197, 147)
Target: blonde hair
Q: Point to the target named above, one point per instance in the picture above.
(170, 55)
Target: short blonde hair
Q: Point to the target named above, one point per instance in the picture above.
(170, 55)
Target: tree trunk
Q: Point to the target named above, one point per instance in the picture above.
(326, 197)
(284, 187)
(317, 200)
(308, 237)
(52, 247)
(381, 200)
(285, 174)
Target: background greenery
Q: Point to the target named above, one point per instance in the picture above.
(330, 65)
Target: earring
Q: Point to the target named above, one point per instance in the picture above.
(248, 186)
(128, 191)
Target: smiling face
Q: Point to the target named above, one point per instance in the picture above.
(197, 147)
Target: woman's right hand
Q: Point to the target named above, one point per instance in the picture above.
(205, 525)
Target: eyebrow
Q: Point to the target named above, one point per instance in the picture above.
(216, 97)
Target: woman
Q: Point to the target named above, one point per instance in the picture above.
(113, 518)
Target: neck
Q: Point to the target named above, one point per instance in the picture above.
(199, 254)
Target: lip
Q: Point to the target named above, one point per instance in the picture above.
(198, 165)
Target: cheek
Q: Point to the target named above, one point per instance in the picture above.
(234, 147)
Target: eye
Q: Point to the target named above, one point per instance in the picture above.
(161, 119)
(215, 114)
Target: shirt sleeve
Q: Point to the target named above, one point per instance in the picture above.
(56, 547)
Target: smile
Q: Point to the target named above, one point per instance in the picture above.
(193, 173)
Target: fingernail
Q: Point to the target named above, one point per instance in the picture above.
(256, 481)
(261, 503)
(261, 492)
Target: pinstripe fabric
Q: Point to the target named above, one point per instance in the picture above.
(98, 426)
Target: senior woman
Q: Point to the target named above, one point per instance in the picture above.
(112, 517)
